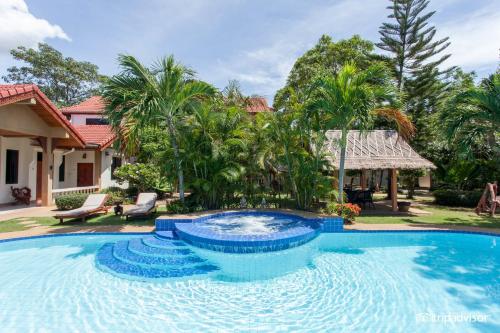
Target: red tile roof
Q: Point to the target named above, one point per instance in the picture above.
(101, 135)
(13, 93)
(258, 104)
(93, 105)
(10, 90)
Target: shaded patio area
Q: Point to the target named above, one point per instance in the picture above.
(375, 150)
(384, 208)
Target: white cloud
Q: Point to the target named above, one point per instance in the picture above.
(474, 36)
(19, 27)
(263, 70)
(475, 39)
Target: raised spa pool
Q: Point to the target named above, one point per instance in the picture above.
(337, 282)
(249, 231)
(252, 224)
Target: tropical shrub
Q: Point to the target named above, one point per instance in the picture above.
(177, 207)
(216, 142)
(144, 177)
(298, 136)
(457, 198)
(70, 201)
(115, 194)
(347, 211)
(183, 207)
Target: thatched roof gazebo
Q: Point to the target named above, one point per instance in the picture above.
(375, 150)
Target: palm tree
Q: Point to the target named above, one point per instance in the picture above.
(157, 97)
(472, 118)
(217, 145)
(233, 96)
(352, 99)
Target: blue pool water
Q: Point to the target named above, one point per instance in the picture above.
(346, 282)
(251, 224)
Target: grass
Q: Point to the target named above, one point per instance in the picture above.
(109, 219)
(15, 224)
(439, 215)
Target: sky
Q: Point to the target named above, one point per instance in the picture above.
(253, 41)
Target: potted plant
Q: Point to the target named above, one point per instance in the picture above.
(404, 206)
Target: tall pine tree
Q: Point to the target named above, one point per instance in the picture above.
(411, 40)
(417, 57)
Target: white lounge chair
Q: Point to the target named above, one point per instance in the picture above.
(145, 205)
(95, 203)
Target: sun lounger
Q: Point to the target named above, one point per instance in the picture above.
(145, 205)
(95, 203)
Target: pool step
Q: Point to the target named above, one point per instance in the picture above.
(136, 259)
(121, 252)
(136, 245)
(162, 243)
(165, 234)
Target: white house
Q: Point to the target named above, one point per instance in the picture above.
(53, 151)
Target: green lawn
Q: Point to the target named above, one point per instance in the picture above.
(98, 220)
(15, 224)
(439, 215)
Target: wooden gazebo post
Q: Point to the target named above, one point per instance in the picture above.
(362, 181)
(394, 190)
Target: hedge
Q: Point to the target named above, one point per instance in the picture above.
(71, 201)
(457, 198)
(115, 194)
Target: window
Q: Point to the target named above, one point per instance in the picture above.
(62, 169)
(96, 121)
(116, 163)
(12, 167)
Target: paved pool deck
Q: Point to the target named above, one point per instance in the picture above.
(38, 230)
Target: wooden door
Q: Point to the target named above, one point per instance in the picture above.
(85, 174)
(39, 177)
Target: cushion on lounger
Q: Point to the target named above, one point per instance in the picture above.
(145, 202)
(95, 200)
(146, 199)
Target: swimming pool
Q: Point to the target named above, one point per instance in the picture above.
(350, 282)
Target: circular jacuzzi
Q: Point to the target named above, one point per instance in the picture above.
(248, 232)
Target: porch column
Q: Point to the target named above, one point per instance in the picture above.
(47, 170)
(97, 168)
(362, 181)
(394, 190)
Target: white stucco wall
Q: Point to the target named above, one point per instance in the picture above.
(72, 160)
(80, 119)
(106, 162)
(22, 119)
(28, 163)
(27, 167)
